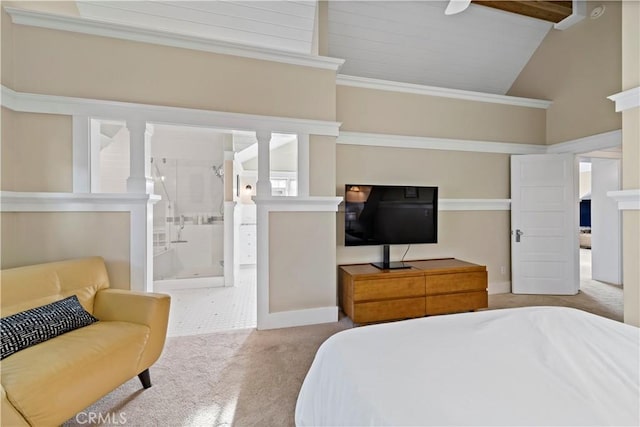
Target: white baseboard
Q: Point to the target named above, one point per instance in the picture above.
(499, 287)
(310, 316)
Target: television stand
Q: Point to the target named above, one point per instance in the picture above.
(435, 286)
(386, 265)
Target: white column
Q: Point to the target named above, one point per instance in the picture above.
(263, 186)
(139, 180)
(303, 165)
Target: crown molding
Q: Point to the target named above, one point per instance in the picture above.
(53, 104)
(627, 99)
(165, 38)
(391, 86)
(430, 143)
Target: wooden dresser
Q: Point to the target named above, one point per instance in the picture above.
(437, 286)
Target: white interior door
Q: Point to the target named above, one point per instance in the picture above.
(544, 224)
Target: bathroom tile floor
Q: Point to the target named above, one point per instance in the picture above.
(205, 310)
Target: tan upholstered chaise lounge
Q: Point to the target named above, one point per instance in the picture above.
(50, 382)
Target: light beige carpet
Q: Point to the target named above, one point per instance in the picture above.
(252, 378)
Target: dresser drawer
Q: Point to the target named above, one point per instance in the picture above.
(452, 303)
(377, 289)
(389, 310)
(456, 282)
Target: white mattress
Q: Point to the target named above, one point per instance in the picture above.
(523, 366)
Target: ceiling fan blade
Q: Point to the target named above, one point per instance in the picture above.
(456, 6)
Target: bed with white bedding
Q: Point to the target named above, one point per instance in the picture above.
(524, 366)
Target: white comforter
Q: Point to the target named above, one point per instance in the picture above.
(525, 366)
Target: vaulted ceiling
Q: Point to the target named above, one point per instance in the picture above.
(481, 49)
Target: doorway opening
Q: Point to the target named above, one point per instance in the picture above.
(204, 235)
(600, 233)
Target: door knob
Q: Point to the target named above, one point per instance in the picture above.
(518, 234)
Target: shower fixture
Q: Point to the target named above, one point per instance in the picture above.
(218, 170)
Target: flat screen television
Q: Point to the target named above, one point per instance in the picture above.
(390, 215)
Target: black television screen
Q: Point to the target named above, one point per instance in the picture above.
(390, 214)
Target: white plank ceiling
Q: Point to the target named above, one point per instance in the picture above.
(480, 49)
(281, 25)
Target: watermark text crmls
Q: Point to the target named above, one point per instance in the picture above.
(111, 418)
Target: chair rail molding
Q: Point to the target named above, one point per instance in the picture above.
(474, 205)
(627, 99)
(166, 38)
(138, 206)
(626, 199)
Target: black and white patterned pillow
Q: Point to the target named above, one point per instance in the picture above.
(31, 327)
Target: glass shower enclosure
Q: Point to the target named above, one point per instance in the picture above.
(188, 223)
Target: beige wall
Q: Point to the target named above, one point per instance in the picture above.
(322, 165)
(6, 45)
(37, 237)
(459, 175)
(36, 152)
(377, 111)
(298, 280)
(70, 64)
(631, 161)
(577, 69)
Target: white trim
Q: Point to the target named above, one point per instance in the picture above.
(474, 204)
(165, 38)
(51, 104)
(587, 144)
(579, 11)
(14, 201)
(423, 142)
(601, 141)
(626, 100)
(626, 199)
(392, 86)
(138, 206)
(309, 316)
(264, 206)
(298, 204)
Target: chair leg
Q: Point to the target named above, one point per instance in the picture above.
(145, 378)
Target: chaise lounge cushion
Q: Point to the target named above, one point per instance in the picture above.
(78, 362)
